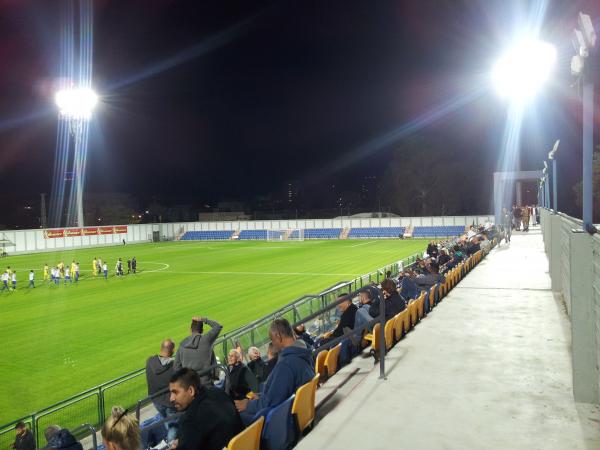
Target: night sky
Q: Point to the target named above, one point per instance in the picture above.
(229, 100)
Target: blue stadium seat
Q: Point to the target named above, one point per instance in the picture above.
(278, 431)
(438, 231)
(253, 235)
(322, 233)
(376, 232)
(207, 235)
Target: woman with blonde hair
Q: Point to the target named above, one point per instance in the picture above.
(120, 431)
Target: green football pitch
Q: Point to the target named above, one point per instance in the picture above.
(60, 340)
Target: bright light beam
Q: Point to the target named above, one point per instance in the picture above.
(523, 69)
(76, 103)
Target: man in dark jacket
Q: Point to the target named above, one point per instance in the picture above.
(294, 368)
(62, 439)
(425, 282)
(346, 323)
(24, 438)
(394, 303)
(209, 419)
(242, 380)
(195, 351)
(159, 369)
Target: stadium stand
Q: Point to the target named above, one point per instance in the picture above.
(322, 233)
(376, 232)
(439, 231)
(253, 235)
(207, 235)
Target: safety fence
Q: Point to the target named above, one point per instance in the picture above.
(93, 406)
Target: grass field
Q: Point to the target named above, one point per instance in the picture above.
(60, 340)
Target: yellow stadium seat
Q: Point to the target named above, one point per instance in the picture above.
(421, 305)
(303, 408)
(331, 360)
(389, 333)
(405, 315)
(320, 364)
(412, 311)
(431, 297)
(249, 439)
(398, 326)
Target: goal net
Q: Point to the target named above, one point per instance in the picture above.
(295, 234)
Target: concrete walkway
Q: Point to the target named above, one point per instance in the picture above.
(490, 368)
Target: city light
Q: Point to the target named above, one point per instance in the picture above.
(523, 69)
(76, 103)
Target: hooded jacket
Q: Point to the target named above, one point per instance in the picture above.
(64, 440)
(294, 368)
(158, 373)
(195, 351)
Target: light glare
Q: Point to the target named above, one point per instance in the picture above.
(523, 69)
(76, 103)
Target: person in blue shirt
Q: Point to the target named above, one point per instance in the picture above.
(294, 368)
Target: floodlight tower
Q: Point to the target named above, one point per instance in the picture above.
(552, 157)
(75, 106)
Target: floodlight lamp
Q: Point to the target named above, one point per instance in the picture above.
(577, 65)
(76, 103)
(554, 150)
(587, 29)
(523, 69)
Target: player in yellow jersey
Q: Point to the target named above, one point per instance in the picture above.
(95, 267)
(73, 269)
(61, 268)
(46, 275)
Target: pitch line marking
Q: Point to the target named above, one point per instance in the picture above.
(165, 266)
(257, 273)
(363, 243)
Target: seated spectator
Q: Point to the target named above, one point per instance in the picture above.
(394, 303)
(294, 368)
(432, 249)
(444, 257)
(241, 379)
(272, 357)
(209, 419)
(23, 438)
(346, 322)
(257, 365)
(362, 313)
(196, 351)
(425, 282)
(408, 288)
(301, 333)
(159, 369)
(61, 439)
(120, 431)
(473, 247)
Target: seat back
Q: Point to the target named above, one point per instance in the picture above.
(278, 432)
(332, 358)
(412, 310)
(303, 407)
(421, 305)
(249, 439)
(406, 319)
(376, 337)
(398, 326)
(389, 333)
(320, 364)
(432, 297)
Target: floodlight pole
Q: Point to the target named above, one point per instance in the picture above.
(554, 194)
(588, 152)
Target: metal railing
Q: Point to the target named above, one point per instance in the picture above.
(93, 405)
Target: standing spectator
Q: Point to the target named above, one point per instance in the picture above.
(209, 419)
(31, 279)
(195, 351)
(241, 378)
(24, 438)
(294, 368)
(120, 431)
(257, 365)
(159, 369)
(525, 218)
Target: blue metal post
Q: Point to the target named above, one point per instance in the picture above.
(554, 194)
(588, 154)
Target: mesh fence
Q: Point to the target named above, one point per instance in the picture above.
(124, 393)
(78, 411)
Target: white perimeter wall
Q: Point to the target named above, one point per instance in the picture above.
(29, 241)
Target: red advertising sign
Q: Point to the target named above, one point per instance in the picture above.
(88, 231)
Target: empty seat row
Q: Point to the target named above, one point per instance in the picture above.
(322, 233)
(376, 232)
(253, 235)
(207, 235)
(438, 231)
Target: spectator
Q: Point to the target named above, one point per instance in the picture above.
(394, 303)
(241, 378)
(346, 322)
(159, 369)
(362, 313)
(272, 357)
(432, 249)
(195, 351)
(120, 431)
(473, 247)
(61, 439)
(209, 419)
(24, 438)
(444, 257)
(294, 368)
(301, 333)
(257, 365)
(424, 282)
(408, 288)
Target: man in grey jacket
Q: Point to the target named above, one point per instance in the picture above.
(195, 351)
